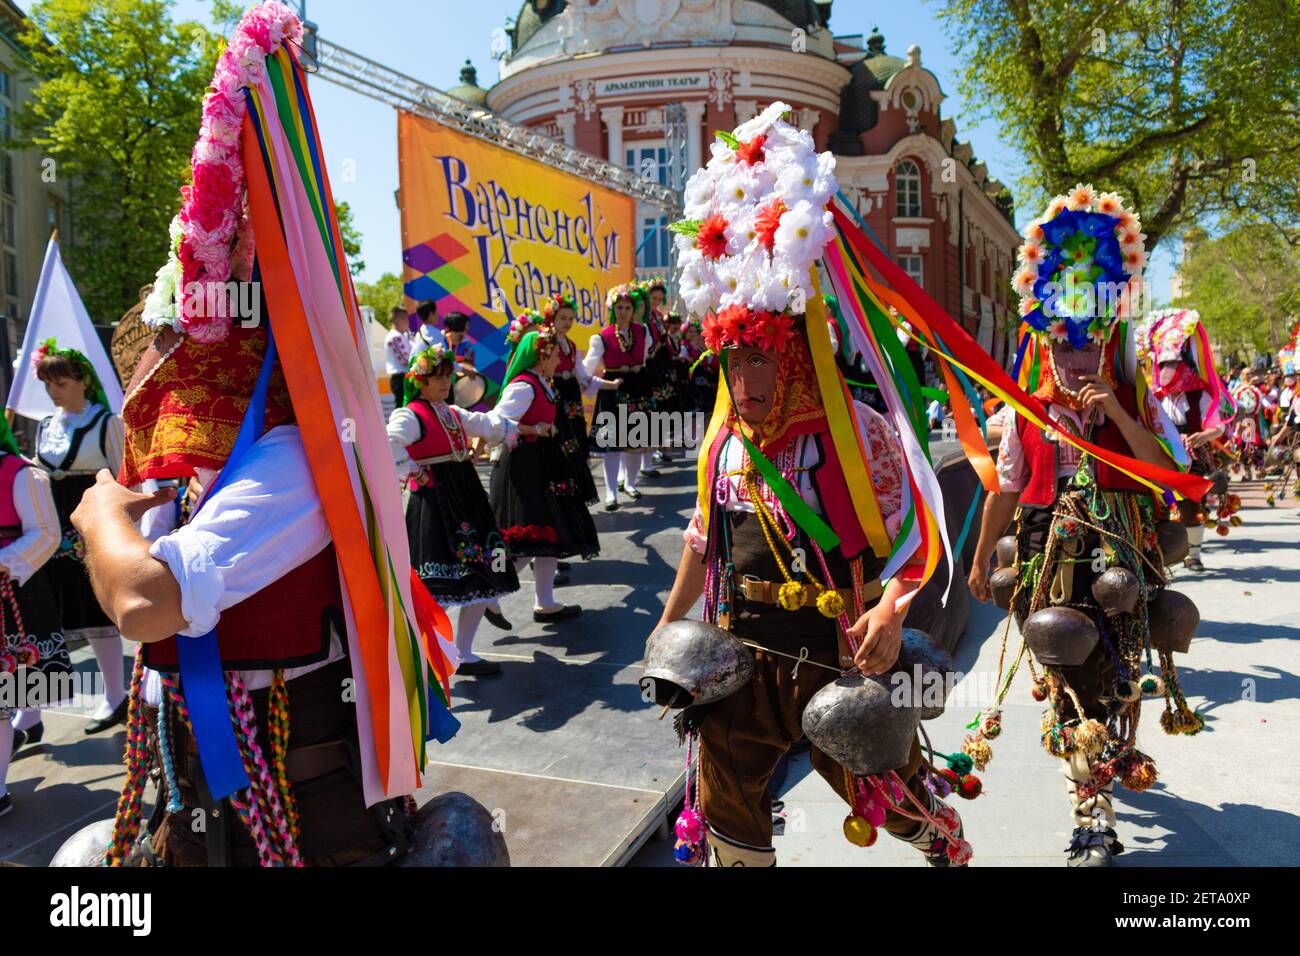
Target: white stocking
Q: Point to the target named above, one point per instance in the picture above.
(108, 654)
(612, 459)
(466, 628)
(631, 469)
(1194, 538)
(27, 718)
(543, 579)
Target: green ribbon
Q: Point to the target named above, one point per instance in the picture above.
(937, 394)
(798, 510)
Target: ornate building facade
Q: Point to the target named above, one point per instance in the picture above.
(599, 75)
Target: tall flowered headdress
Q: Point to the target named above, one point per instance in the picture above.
(94, 388)
(1178, 335)
(1080, 267)
(259, 158)
(1286, 359)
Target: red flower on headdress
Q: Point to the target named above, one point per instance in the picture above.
(766, 223)
(751, 152)
(732, 322)
(773, 331)
(711, 333)
(712, 238)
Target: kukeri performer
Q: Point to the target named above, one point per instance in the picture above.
(1180, 366)
(1251, 429)
(537, 498)
(282, 639)
(31, 639)
(72, 445)
(572, 382)
(770, 469)
(622, 351)
(457, 550)
(1084, 575)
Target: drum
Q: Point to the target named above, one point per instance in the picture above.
(468, 389)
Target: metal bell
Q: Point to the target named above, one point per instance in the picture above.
(854, 721)
(1060, 636)
(87, 847)
(1002, 583)
(690, 662)
(454, 829)
(1173, 541)
(1006, 551)
(928, 668)
(1116, 591)
(1173, 620)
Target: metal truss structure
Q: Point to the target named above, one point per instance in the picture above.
(369, 78)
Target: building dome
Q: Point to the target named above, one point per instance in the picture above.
(879, 64)
(468, 88)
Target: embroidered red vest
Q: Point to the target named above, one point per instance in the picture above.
(1040, 456)
(615, 356)
(286, 624)
(567, 361)
(435, 441)
(542, 410)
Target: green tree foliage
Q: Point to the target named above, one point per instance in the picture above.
(382, 295)
(1187, 108)
(118, 111)
(351, 238)
(1245, 284)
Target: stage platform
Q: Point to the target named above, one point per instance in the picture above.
(577, 768)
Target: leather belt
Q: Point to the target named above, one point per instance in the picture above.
(757, 591)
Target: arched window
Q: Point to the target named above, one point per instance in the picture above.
(907, 190)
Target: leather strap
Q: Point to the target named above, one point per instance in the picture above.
(756, 591)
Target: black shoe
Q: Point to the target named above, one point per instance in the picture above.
(633, 494)
(118, 716)
(1092, 848)
(6, 804)
(497, 620)
(611, 505)
(479, 668)
(559, 614)
(29, 737)
(650, 473)
(1193, 564)
(659, 458)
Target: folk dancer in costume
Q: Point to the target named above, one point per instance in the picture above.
(662, 366)
(397, 352)
(622, 351)
(72, 445)
(703, 368)
(1250, 431)
(536, 497)
(572, 382)
(1180, 366)
(272, 691)
(1070, 506)
(31, 639)
(769, 449)
(1282, 447)
(457, 550)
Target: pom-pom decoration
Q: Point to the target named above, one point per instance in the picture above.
(859, 831)
(1091, 736)
(1138, 772)
(792, 595)
(970, 787)
(978, 750)
(830, 604)
(1152, 685)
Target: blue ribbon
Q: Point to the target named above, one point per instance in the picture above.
(199, 657)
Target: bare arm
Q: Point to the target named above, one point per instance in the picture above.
(687, 588)
(998, 512)
(137, 591)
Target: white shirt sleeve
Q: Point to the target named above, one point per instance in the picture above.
(264, 522)
(492, 426)
(403, 430)
(594, 360)
(1013, 472)
(515, 401)
(34, 503)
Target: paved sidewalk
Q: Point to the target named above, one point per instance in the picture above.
(1224, 798)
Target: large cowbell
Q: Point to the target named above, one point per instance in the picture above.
(856, 721)
(929, 673)
(690, 662)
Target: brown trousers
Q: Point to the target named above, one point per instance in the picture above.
(746, 735)
(337, 827)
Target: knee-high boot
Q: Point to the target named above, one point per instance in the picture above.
(1093, 842)
(730, 853)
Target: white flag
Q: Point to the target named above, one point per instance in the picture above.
(57, 313)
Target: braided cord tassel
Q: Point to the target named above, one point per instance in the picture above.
(251, 811)
(165, 708)
(278, 718)
(259, 772)
(126, 822)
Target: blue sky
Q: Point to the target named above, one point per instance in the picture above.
(431, 40)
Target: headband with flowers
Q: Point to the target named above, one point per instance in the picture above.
(428, 361)
(1165, 333)
(524, 323)
(94, 388)
(1080, 267)
(756, 219)
(554, 303)
(737, 326)
(211, 238)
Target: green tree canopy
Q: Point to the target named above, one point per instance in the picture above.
(1245, 284)
(382, 295)
(118, 111)
(1184, 107)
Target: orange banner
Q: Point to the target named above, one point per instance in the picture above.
(491, 233)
